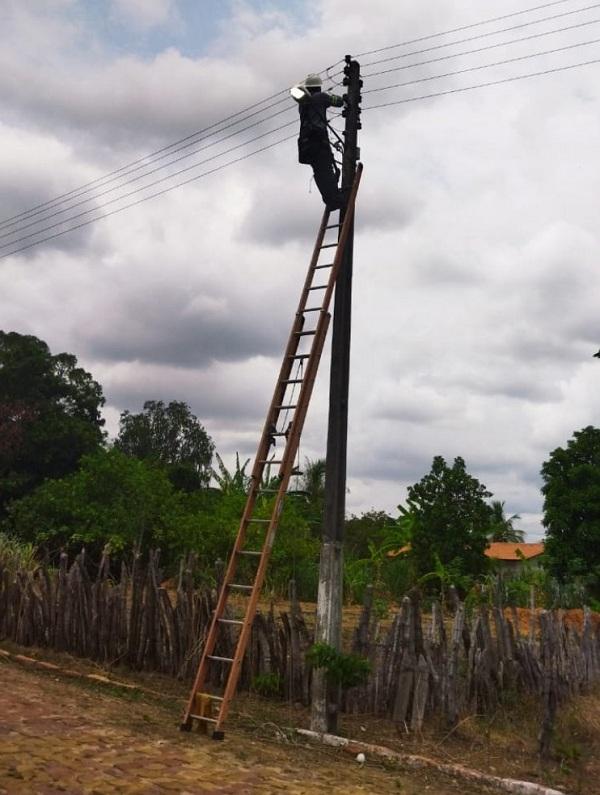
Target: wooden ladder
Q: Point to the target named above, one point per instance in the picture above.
(285, 420)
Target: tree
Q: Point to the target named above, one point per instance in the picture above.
(572, 510)
(450, 521)
(172, 436)
(49, 414)
(112, 498)
(503, 528)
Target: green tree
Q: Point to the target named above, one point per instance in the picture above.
(171, 435)
(112, 498)
(503, 527)
(572, 510)
(49, 414)
(450, 521)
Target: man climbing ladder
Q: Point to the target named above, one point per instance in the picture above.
(314, 148)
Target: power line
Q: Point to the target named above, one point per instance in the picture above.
(483, 66)
(461, 28)
(151, 196)
(482, 85)
(143, 160)
(482, 35)
(146, 187)
(22, 227)
(482, 49)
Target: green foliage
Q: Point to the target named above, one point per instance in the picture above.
(346, 670)
(450, 521)
(112, 499)
(172, 436)
(503, 528)
(572, 510)
(49, 415)
(268, 685)
(16, 555)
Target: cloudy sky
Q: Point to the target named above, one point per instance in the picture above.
(477, 285)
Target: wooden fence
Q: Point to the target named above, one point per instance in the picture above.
(421, 665)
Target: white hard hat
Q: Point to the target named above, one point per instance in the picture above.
(313, 81)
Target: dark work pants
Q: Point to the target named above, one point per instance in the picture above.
(319, 155)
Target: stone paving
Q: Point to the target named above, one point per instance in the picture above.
(61, 737)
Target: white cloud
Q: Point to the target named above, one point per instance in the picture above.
(143, 13)
(476, 286)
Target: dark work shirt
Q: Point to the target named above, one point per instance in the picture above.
(313, 111)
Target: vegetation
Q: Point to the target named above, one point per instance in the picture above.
(572, 510)
(63, 486)
(49, 415)
(172, 436)
(345, 670)
(451, 522)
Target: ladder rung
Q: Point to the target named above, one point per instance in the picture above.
(288, 381)
(254, 552)
(290, 406)
(219, 659)
(270, 460)
(240, 587)
(210, 695)
(204, 717)
(313, 309)
(299, 356)
(268, 491)
(259, 521)
(306, 333)
(333, 226)
(329, 265)
(229, 621)
(329, 245)
(318, 287)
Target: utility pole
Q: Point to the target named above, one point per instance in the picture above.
(328, 628)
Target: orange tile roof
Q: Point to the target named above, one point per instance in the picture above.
(504, 550)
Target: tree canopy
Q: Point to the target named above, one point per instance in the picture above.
(571, 492)
(49, 414)
(171, 435)
(450, 520)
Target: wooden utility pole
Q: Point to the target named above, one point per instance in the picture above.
(328, 628)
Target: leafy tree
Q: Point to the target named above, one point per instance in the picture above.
(370, 527)
(450, 521)
(172, 436)
(112, 498)
(572, 510)
(503, 528)
(49, 414)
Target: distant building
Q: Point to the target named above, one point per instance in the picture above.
(511, 556)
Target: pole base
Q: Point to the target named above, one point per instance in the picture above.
(218, 735)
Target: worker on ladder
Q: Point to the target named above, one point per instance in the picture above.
(314, 148)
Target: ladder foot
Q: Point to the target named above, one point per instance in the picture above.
(218, 735)
(185, 726)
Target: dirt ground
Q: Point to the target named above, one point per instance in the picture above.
(62, 736)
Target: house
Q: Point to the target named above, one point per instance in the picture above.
(511, 556)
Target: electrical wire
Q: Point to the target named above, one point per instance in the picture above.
(151, 196)
(143, 161)
(482, 85)
(483, 66)
(480, 49)
(483, 35)
(99, 195)
(146, 187)
(461, 28)
(77, 192)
